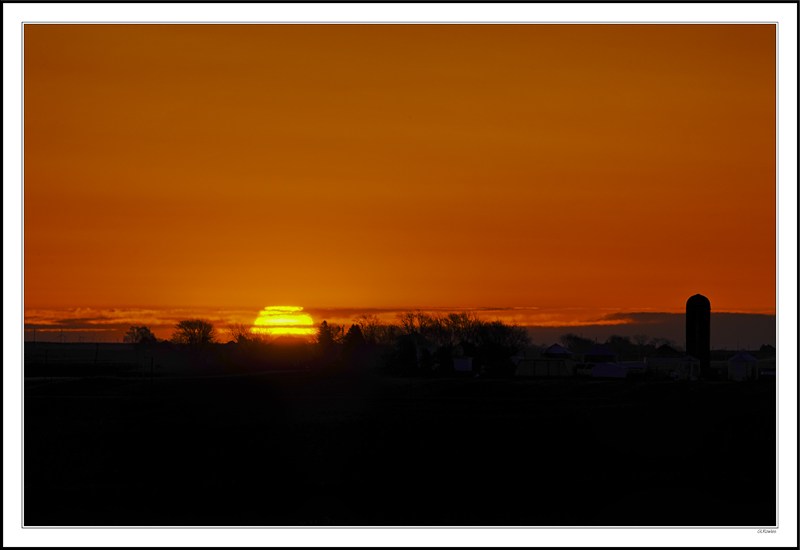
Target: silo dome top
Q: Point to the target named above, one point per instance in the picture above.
(698, 301)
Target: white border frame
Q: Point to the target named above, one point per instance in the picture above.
(786, 16)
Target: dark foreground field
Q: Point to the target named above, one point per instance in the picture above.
(298, 450)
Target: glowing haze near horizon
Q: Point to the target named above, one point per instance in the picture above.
(573, 170)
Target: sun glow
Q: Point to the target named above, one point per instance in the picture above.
(284, 320)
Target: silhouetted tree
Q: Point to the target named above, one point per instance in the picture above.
(452, 328)
(387, 334)
(240, 333)
(370, 327)
(353, 340)
(354, 337)
(326, 346)
(567, 339)
(497, 343)
(324, 336)
(338, 332)
(416, 321)
(616, 340)
(465, 326)
(194, 332)
(139, 335)
(575, 343)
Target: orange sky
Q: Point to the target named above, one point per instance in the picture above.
(555, 166)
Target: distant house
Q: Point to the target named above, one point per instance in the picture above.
(742, 366)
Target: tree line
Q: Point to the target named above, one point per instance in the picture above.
(190, 332)
(420, 342)
(415, 341)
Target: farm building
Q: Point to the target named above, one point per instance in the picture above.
(556, 352)
(531, 352)
(599, 354)
(742, 366)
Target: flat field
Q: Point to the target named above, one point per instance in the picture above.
(306, 450)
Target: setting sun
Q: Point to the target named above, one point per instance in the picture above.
(284, 320)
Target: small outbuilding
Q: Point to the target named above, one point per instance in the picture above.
(742, 366)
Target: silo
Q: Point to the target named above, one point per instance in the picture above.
(698, 331)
